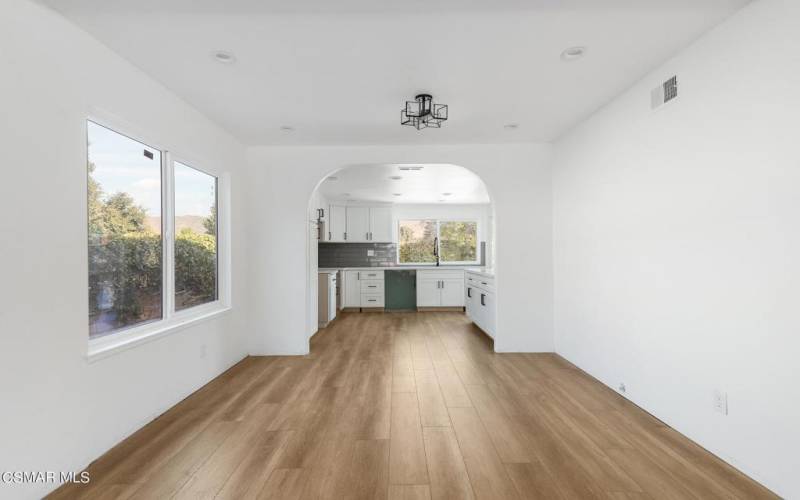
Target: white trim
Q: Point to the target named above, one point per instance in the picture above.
(168, 233)
(115, 343)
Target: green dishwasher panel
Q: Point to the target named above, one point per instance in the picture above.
(401, 290)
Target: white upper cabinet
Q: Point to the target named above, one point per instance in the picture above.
(357, 224)
(380, 224)
(337, 223)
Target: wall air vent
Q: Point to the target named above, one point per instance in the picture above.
(664, 93)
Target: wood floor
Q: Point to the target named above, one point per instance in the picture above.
(408, 406)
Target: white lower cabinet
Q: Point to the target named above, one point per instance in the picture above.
(363, 289)
(480, 300)
(352, 289)
(440, 288)
(428, 293)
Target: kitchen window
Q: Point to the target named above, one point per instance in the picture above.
(453, 241)
(153, 241)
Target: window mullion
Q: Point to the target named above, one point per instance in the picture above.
(168, 197)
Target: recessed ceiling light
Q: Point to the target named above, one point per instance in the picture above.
(573, 53)
(224, 57)
(446, 194)
(511, 126)
(396, 177)
(333, 178)
(287, 128)
(440, 201)
(397, 194)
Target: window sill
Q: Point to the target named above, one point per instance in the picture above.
(115, 343)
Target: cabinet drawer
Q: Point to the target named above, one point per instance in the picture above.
(479, 281)
(372, 286)
(372, 300)
(370, 275)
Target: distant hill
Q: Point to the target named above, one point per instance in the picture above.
(193, 222)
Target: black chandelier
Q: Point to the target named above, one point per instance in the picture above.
(423, 113)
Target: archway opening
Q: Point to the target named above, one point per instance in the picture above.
(399, 237)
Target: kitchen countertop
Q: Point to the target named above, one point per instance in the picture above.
(483, 271)
(479, 270)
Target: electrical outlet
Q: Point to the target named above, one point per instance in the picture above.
(721, 402)
(203, 351)
(622, 387)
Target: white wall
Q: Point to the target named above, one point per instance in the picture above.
(676, 243)
(283, 179)
(58, 411)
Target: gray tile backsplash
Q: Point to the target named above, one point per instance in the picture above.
(355, 254)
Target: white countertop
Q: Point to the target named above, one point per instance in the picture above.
(479, 270)
(483, 271)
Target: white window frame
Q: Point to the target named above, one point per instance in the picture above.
(438, 221)
(171, 321)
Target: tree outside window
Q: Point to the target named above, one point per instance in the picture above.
(419, 240)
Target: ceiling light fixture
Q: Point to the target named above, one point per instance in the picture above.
(396, 177)
(446, 194)
(411, 167)
(422, 113)
(397, 194)
(573, 53)
(224, 57)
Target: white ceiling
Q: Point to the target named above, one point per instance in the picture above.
(374, 183)
(338, 72)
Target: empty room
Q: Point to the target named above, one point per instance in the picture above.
(400, 249)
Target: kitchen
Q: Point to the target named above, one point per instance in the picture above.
(399, 238)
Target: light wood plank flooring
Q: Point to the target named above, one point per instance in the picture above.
(408, 406)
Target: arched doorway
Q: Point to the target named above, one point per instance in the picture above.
(396, 217)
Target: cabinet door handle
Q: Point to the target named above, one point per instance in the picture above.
(482, 301)
(359, 275)
(329, 235)
(345, 236)
(469, 292)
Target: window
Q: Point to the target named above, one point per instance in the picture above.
(456, 242)
(136, 276)
(125, 238)
(195, 237)
(417, 241)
